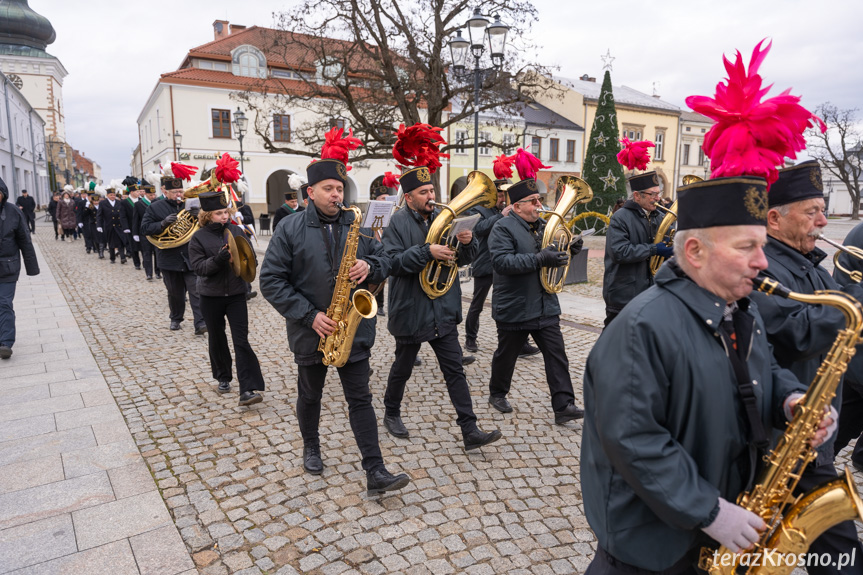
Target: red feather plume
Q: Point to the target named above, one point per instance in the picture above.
(226, 169)
(390, 180)
(634, 154)
(183, 171)
(336, 145)
(502, 167)
(752, 137)
(527, 164)
(419, 145)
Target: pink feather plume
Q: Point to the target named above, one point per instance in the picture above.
(226, 169)
(336, 145)
(502, 167)
(752, 137)
(527, 164)
(183, 171)
(634, 154)
(390, 180)
(419, 145)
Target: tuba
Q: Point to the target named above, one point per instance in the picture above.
(855, 275)
(575, 191)
(665, 231)
(181, 231)
(480, 191)
(794, 523)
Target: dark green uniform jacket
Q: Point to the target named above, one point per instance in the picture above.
(663, 429)
(802, 334)
(628, 248)
(481, 265)
(518, 295)
(413, 317)
(298, 277)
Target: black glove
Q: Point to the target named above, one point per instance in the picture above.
(575, 247)
(224, 254)
(663, 250)
(551, 258)
(169, 219)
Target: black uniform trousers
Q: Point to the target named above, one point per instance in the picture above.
(851, 420)
(448, 352)
(233, 307)
(132, 249)
(604, 564)
(550, 342)
(841, 538)
(355, 385)
(481, 287)
(89, 232)
(115, 242)
(148, 257)
(178, 284)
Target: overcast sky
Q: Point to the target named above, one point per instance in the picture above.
(115, 51)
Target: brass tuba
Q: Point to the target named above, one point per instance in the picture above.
(794, 523)
(480, 191)
(855, 275)
(665, 232)
(182, 230)
(557, 234)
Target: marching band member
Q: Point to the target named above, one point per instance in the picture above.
(520, 305)
(298, 277)
(86, 216)
(413, 317)
(133, 246)
(112, 223)
(223, 294)
(291, 205)
(148, 250)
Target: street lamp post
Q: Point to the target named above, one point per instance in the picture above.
(178, 139)
(479, 31)
(240, 125)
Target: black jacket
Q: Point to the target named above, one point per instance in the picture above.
(284, 211)
(413, 317)
(481, 265)
(27, 205)
(628, 248)
(52, 208)
(112, 219)
(518, 295)
(298, 278)
(129, 211)
(211, 263)
(15, 242)
(171, 259)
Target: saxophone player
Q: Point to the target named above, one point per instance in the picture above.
(802, 334)
(298, 277)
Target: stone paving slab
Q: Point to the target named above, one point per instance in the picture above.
(36, 542)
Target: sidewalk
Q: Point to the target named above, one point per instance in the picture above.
(75, 494)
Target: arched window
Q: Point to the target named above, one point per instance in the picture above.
(248, 61)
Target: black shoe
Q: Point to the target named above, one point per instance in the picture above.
(394, 425)
(477, 438)
(137, 267)
(63, 239)
(88, 250)
(381, 313)
(250, 295)
(123, 261)
(568, 413)
(149, 278)
(224, 387)
(467, 359)
(158, 276)
(500, 404)
(5, 352)
(470, 345)
(418, 362)
(312, 461)
(857, 465)
(528, 350)
(381, 480)
(250, 398)
(113, 261)
(101, 256)
(175, 325)
(201, 330)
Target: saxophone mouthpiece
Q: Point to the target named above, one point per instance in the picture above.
(770, 286)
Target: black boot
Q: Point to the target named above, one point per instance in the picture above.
(394, 425)
(312, 461)
(380, 480)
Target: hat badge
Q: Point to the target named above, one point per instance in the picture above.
(756, 203)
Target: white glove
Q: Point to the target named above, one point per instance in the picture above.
(239, 217)
(99, 230)
(735, 527)
(136, 238)
(127, 231)
(80, 225)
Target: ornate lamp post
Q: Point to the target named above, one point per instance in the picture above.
(479, 32)
(240, 125)
(178, 139)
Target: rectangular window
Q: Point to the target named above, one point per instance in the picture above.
(337, 123)
(685, 154)
(660, 137)
(688, 129)
(553, 147)
(700, 156)
(461, 141)
(570, 151)
(221, 123)
(536, 146)
(508, 143)
(484, 150)
(282, 128)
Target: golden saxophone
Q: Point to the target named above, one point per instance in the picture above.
(345, 310)
(794, 523)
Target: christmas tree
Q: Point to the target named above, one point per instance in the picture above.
(601, 169)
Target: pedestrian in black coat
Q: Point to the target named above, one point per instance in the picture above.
(52, 210)
(148, 250)
(112, 223)
(28, 208)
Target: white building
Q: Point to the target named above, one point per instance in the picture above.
(690, 156)
(22, 145)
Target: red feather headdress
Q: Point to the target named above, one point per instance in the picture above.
(390, 180)
(752, 137)
(419, 145)
(226, 169)
(336, 145)
(527, 164)
(183, 171)
(502, 167)
(634, 154)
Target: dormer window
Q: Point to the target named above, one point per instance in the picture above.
(248, 61)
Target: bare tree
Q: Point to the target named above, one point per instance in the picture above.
(839, 149)
(372, 64)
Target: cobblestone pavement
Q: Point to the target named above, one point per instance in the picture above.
(233, 479)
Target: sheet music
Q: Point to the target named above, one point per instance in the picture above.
(378, 214)
(464, 223)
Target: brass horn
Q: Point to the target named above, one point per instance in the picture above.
(665, 231)
(575, 191)
(480, 191)
(181, 231)
(855, 275)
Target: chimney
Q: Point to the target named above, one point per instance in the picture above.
(221, 29)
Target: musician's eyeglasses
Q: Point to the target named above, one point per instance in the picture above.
(535, 201)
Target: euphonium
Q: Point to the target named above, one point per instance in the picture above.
(575, 191)
(665, 232)
(181, 231)
(480, 191)
(793, 524)
(345, 310)
(855, 275)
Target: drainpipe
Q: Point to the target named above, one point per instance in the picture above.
(11, 138)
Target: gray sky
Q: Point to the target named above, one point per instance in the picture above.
(115, 51)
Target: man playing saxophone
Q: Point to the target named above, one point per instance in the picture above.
(298, 276)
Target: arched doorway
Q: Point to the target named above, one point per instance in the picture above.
(277, 187)
(377, 187)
